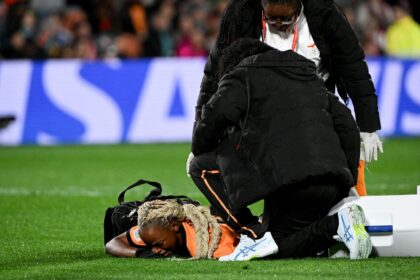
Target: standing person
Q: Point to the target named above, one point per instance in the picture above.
(315, 29)
(272, 131)
(403, 36)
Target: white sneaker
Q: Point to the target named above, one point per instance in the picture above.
(249, 248)
(351, 230)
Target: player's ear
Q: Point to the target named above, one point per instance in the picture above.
(175, 226)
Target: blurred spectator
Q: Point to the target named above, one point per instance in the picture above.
(88, 8)
(45, 7)
(54, 36)
(370, 20)
(133, 18)
(128, 46)
(212, 25)
(193, 45)
(22, 39)
(373, 10)
(106, 17)
(13, 20)
(371, 43)
(403, 36)
(84, 46)
(192, 30)
(160, 38)
(73, 16)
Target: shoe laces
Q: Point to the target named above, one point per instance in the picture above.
(246, 240)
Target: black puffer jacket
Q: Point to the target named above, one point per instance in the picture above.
(340, 52)
(284, 128)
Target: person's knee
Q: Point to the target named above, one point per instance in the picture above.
(206, 161)
(195, 167)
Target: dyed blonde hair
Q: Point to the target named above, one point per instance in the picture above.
(164, 212)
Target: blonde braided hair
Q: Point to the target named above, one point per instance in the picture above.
(164, 212)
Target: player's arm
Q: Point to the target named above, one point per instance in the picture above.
(348, 59)
(347, 131)
(224, 109)
(120, 247)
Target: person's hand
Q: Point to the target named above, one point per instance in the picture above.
(189, 159)
(370, 146)
(162, 252)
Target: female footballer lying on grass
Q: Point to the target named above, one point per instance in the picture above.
(167, 228)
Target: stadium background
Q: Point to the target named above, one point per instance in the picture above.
(129, 71)
(125, 74)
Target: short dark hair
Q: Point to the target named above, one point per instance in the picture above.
(239, 50)
(296, 3)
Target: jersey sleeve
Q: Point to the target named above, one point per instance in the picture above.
(134, 239)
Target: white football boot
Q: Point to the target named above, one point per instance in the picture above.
(249, 248)
(351, 230)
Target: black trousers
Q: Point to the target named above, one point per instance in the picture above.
(206, 176)
(295, 215)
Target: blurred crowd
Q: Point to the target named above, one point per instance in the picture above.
(91, 29)
(385, 27)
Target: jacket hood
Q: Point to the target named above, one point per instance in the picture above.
(286, 63)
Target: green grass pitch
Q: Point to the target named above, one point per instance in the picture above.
(52, 202)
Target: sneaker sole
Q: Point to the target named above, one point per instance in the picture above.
(261, 254)
(364, 244)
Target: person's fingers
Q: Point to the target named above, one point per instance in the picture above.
(362, 151)
(168, 254)
(380, 146)
(372, 152)
(188, 163)
(368, 153)
(375, 152)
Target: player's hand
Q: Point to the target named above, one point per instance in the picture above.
(189, 159)
(370, 146)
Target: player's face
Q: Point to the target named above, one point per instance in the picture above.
(163, 240)
(281, 16)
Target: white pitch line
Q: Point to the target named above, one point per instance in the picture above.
(74, 191)
(49, 192)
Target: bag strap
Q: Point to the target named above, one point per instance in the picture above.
(181, 199)
(154, 192)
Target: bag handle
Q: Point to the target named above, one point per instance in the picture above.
(154, 192)
(178, 198)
